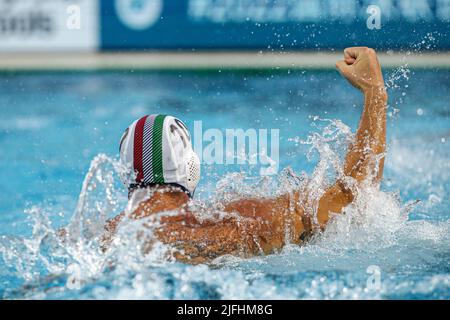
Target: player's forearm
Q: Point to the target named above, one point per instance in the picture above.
(366, 156)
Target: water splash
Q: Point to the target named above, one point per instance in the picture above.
(397, 79)
(90, 216)
(374, 230)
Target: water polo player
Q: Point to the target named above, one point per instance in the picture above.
(158, 149)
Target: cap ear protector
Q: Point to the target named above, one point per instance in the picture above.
(158, 150)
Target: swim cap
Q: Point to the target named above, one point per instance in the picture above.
(158, 149)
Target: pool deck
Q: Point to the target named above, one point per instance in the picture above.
(161, 60)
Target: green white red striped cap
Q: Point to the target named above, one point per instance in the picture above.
(158, 149)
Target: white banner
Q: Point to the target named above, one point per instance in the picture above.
(49, 25)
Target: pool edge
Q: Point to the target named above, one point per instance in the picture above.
(203, 61)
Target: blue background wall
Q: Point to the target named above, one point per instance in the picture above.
(404, 24)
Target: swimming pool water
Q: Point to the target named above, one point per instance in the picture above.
(54, 124)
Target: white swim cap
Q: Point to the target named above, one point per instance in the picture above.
(158, 149)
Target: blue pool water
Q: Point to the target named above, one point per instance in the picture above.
(53, 125)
